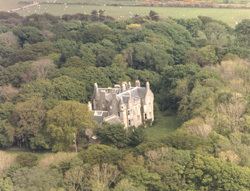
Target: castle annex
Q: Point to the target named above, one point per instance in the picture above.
(126, 104)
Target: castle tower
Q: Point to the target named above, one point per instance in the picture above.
(147, 86)
(96, 96)
(129, 85)
(124, 86)
(137, 83)
(123, 113)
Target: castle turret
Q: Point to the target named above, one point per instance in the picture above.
(129, 85)
(147, 86)
(96, 96)
(123, 113)
(137, 83)
(96, 90)
(124, 88)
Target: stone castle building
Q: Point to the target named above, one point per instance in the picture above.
(131, 106)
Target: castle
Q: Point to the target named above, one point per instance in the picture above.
(125, 104)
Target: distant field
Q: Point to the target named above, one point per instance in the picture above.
(8, 4)
(230, 16)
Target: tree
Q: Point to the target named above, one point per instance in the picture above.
(207, 173)
(28, 34)
(100, 154)
(66, 88)
(7, 133)
(66, 124)
(103, 176)
(126, 184)
(242, 32)
(96, 32)
(114, 134)
(29, 118)
(204, 56)
(142, 177)
(77, 178)
(120, 137)
(6, 184)
(35, 179)
(154, 16)
(67, 48)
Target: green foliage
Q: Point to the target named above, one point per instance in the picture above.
(212, 174)
(184, 140)
(6, 134)
(66, 88)
(28, 34)
(6, 184)
(242, 32)
(114, 134)
(46, 80)
(126, 184)
(66, 124)
(35, 179)
(27, 160)
(99, 154)
(142, 176)
(96, 32)
(29, 118)
(120, 137)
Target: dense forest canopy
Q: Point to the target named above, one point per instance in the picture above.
(199, 71)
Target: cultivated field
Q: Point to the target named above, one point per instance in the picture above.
(230, 16)
(8, 4)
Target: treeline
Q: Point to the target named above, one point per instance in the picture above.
(198, 69)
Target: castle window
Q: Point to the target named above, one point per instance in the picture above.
(128, 112)
(146, 117)
(119, 114)
(129, 122)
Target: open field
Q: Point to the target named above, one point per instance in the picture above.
(8, 4)
(163, 125)
(230, 16)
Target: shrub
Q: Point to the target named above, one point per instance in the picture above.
(184, 140)
(99, 154)
(27, 160)
(120, 137)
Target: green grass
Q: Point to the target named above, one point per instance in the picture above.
(164, 124)
(229, 16)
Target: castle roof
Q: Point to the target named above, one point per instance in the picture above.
(134, 93)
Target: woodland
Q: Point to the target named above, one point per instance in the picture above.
(199, 71)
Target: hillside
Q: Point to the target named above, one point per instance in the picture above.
(199, 72)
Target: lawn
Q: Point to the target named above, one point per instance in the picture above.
(230, 16)
(163, 125)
